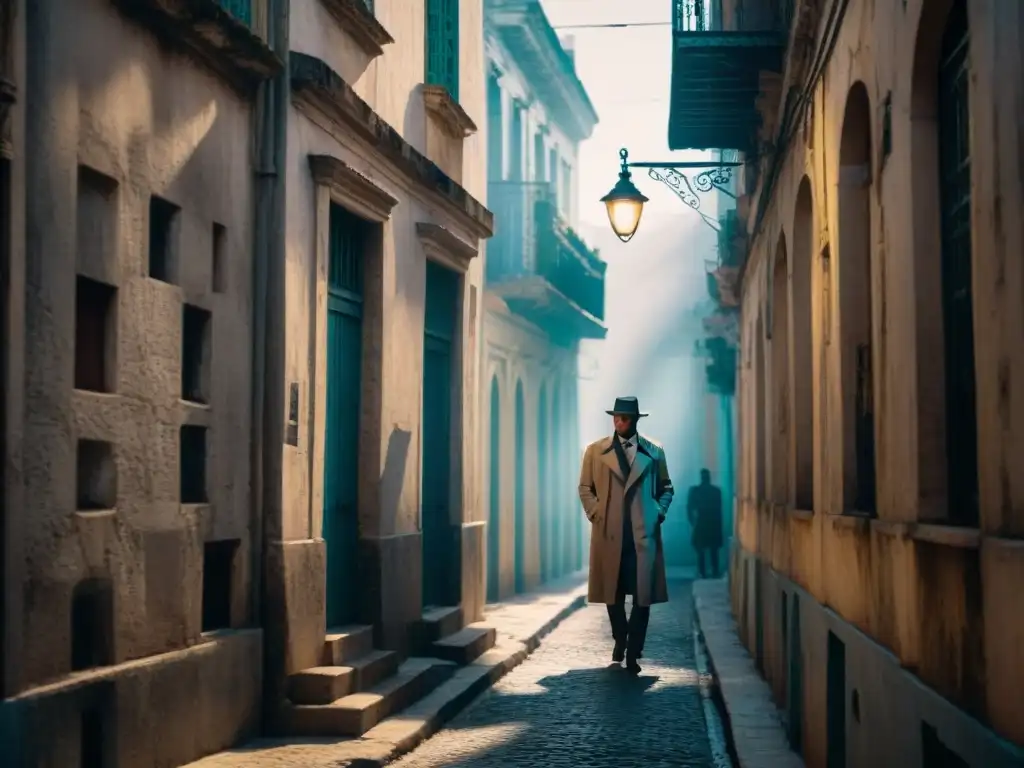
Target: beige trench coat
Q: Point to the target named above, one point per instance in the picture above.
(603, 505)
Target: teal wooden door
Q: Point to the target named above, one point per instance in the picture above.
(494, 507)
(344, 383)
(439, 554)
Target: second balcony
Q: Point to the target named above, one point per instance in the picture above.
(540, 267)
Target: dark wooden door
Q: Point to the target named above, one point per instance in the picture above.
(347, 241)
(439, 553)
(796, 680)
(835, 701)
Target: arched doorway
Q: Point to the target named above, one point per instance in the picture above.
(494, 512)
(759, 413)
(780, 377)
(856, 350)
(802, 368)
(941, 173)
(543, 483)
(520, 490)
(556, 479)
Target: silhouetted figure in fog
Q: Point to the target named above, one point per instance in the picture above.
(626, 491)
(704, 509)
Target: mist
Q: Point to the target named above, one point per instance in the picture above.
(655, 297)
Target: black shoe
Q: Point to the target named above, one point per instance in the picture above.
(619, 653)
(632, 667)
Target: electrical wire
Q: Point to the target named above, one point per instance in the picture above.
(623, 25)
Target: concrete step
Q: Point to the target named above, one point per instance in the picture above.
(320, 685)
(433, 625)
(343, 644)
(370, 669)
(355, 714)
(466, 645)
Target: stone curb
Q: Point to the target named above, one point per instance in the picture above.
(403, 732)
(754, 728)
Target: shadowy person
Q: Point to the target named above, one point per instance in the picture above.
(626, 491)
(704, 509)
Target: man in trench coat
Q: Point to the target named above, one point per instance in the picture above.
(626, 491)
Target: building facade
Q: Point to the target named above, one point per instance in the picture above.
(543, 293)
(875, 572)
(242, 251)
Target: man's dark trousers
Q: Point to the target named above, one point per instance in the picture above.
(631, 633)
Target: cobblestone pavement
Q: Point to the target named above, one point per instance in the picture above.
(565, 705)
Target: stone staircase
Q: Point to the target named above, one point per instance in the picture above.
(357, 686)
(440, 634)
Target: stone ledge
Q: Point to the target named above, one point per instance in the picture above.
(318, 88)
(214, 36)
(756, 728)
(447, 112)
(360, 24)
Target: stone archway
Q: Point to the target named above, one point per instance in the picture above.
(947, 447)
(780, 376)
(802, 348)
(856, 348)
(494, 508)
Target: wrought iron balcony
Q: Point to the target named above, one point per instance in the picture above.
(717, 66)
(540, 267)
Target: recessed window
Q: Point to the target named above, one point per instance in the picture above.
(95, 335)
(97, 476)
(92, 624)
(218, 571)
(220, 236)
(96, 222)
(192, 464)
(163, 225)
(195, 354)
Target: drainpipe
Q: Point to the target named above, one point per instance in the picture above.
(271, 122)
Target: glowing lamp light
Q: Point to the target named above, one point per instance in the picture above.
(625, 203)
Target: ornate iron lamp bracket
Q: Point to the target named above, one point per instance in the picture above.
(714, 177)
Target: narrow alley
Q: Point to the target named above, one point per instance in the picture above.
(567, 705)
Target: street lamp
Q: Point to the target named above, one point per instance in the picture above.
(625, 203)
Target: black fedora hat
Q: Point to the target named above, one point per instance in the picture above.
(626, 406)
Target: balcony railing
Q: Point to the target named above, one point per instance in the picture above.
(532, 241)
(717, 67)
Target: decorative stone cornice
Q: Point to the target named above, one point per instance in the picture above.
(210, 34)
(445, 246)
(359, 23)
(319, 90)
(351, 189)
(447, 112)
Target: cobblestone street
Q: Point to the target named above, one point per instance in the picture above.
(564, 706)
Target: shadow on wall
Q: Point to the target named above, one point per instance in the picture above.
(392, 477)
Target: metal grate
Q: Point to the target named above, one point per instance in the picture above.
(443, 45)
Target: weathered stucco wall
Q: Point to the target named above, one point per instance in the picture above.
(135, 429)
(933, 594)
(519, 353)
(391, 450)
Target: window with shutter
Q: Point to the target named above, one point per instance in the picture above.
(443, 45)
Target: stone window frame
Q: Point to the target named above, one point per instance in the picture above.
(337, 182)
